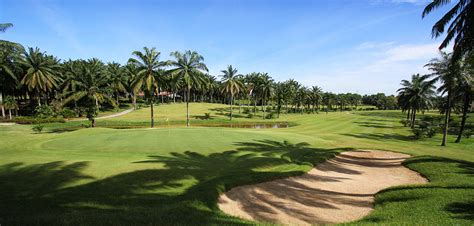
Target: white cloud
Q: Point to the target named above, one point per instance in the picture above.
(379, 68)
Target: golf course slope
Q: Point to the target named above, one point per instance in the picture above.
(339, 190)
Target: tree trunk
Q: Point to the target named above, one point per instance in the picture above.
(408, 114)
(446, 120)
(151, 112)
(3, 108)
(465, 109)
(413, 118)
(117, 99)
(264, 107)
(10, 113)
(231, 100)
(134, 101)
(93, 122)
(187, 106)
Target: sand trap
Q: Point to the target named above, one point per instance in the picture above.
(339, 190)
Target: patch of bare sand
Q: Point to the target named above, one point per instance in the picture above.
(339, 190)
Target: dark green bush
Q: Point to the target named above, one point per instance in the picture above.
(38, 128)
(44, 111)
(68, 113)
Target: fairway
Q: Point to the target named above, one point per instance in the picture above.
(175, 174)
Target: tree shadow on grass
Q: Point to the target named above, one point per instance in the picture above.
(379, 136)
(374, 125)
(184, 192)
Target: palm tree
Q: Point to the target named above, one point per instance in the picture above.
(5, 26)
(461, 25)
(190, 68)
(266, 90)
(10, 104)
(117, 78)
(465, 91)
(41, 72)
(446, 71)
(132, 73)
(231, 84)
(316, 96)
(91, 84)
(416, 95)
(10, 55)
(149, 66)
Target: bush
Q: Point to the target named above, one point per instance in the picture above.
(405, 122)
(44, 111)
(270, 115)
(250, 115)
(30, 120)
(207, 115)
(67, 113)
(467, 133)
(426, 127)
(38, 128)
(246, 111)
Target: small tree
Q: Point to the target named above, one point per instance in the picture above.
(10, 104)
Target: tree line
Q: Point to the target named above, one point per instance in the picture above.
(35, 78)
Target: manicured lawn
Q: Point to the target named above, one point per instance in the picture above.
(173, 175)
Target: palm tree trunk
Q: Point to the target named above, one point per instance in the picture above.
(117, 99)
(465, 109)
(413, 118)
(264, 107)
(187, 106)
(134, 101)
(408, 114)
(3, 108)
(446, 120)
(10, 113)
(231, 100)
(151, 111)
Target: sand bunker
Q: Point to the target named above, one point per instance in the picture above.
(339, 190)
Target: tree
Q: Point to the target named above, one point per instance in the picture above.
(92, 87)
(465, 91)
(316, 97)
(10, 55)
(5, 26)
(461, 25)
(415, 95)
(41, 72)
(266, 90)
(190, 68)
(447, 72)
(117, 78)
(231, 84)
(148, 65)
(10, 104)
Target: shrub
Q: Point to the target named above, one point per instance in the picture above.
(38, 128)
(246, 111)
(44, 111)
(426, 127)
(30, 120)
(67, 113)
(250, 115)
(270, 115)
(207, 115)
(405, 122)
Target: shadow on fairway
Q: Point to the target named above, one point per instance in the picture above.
(185, 191)
(379, 136)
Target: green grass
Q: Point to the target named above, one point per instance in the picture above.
(173, 175)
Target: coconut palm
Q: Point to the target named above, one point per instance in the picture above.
(132, 73)
(149, 66)
(41, 72)
(465, 91)
(266, 90)
(316, 96)
(416, 95)
(10, 104)
(461, 25)
(231, 84)
(5, 26)
(190, 68)
(447, 72)
(118, 79)
(91, 85)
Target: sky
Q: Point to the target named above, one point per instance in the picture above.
(363, 46)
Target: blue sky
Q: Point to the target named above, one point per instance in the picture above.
(363, 46)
